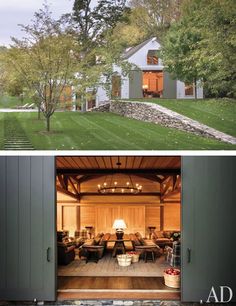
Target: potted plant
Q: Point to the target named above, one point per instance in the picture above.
(175, 236)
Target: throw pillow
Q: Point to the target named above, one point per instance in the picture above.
(96, 240)
(167, 234)
(159, 234)
(142, 242)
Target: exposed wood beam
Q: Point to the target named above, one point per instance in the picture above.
(178, 182)
(121, 171)
(171, 193)
(69, 193)
(150, 177)
(84, 178)
(171, 201)
(78, 196)
(73, 186)
(166, 185)
(62, 181)
(157, 194)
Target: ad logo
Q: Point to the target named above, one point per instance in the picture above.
(225, 296)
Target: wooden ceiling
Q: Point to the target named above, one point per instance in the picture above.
(110, 162)
(78, 176)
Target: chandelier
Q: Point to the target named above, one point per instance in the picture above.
(110, 185)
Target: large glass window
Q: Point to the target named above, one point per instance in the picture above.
(189, 89)
(152, 57)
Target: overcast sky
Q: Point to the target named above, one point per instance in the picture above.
(13, 12)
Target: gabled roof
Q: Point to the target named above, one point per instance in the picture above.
(135, 49)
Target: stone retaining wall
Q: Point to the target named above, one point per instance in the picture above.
(102, 108)
(155, 113)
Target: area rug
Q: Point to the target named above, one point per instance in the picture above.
(108, 266)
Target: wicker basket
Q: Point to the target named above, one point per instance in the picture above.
(172, 281)
(124, 260)
(134, 258)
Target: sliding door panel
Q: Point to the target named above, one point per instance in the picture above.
(27, 228)
(208, 227)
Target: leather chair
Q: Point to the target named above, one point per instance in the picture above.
(65, 253)
(92, 252)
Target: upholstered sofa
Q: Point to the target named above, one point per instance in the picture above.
(145, 246)
(163, 238)
(93, 249)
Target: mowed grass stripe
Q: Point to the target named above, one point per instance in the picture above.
(168, 136)
(219, 114)
(106, 131)
(1, 131)
(112, 128)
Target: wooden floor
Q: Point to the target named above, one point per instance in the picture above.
(72, 287)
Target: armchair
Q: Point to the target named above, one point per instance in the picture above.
(92, 250)
(65, 254)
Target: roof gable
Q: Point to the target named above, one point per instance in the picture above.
(131, 51)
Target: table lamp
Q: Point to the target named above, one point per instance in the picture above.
(119, 225)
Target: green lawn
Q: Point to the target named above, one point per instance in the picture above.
(1, 131)
(217, 113)
(105, 131)
(12, 102)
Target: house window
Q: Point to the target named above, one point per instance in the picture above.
(189, 89)
(152, 57)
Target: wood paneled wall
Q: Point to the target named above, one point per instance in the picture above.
(87, 216)
(153, 216)
(101, 218)
(72, 215)
(171, 216)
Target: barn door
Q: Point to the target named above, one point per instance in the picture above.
(136, 84)
(27, 228)
(208, 228)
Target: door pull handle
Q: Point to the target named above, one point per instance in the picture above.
(188, 255)
(48, 254)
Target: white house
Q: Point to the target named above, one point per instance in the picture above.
(147, 77)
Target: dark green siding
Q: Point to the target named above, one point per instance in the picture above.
(27, 228)
(169, 86)
(136, 84)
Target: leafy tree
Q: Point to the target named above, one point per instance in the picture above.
(147, 19)
(93, 22)
(179, 53)
(94, 26)
(47, 58)
(3, 69)
(202, 45)
(218, 48)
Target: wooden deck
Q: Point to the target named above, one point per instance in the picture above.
(72, 287)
